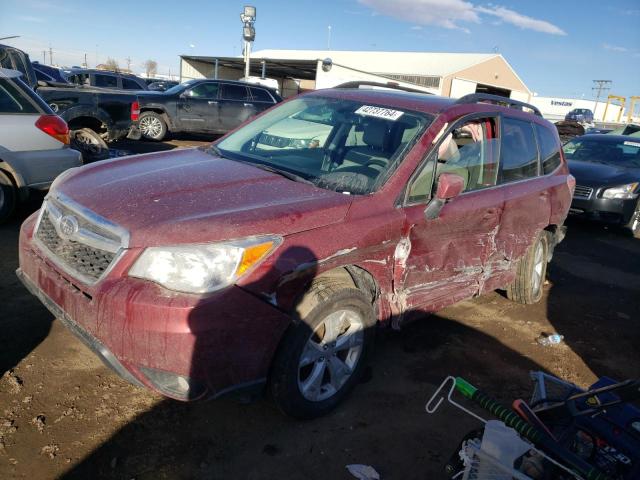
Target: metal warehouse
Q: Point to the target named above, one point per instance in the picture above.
(448, 74)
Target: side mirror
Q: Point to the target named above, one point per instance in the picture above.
(450, 186)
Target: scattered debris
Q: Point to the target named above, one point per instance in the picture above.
(39, 422)
(14, 381)
(50, 450)
(552, 339)
(363, 472)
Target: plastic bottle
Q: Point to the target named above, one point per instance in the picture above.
(553, 339)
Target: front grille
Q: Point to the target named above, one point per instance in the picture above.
(274, 141)
(582, 192)
(87, 252)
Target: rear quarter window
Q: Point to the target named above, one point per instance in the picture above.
(13, 101)
(107, 81)
(549, 149)
(519, 152)
(260, 95)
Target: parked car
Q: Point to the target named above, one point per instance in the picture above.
(105, 79)
(34, 143)
(580, 115)
(47, 73)
(161, 85)
(594, 130)
(202, 106)
(632, 129)
(206, 271)
(95, 116)
(607, 171)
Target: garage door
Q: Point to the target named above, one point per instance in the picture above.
(460, 88)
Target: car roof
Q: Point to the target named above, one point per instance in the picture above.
(94, 70)
(235, 82)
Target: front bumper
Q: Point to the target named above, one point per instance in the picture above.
(613, 211)
(185, 347)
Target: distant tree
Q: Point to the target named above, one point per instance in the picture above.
(112, 64)
(151, 67)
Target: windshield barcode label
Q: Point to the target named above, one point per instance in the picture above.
(379, 112)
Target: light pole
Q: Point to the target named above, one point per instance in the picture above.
(248, 17)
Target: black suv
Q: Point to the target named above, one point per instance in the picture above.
(202, 106)
(105, 79)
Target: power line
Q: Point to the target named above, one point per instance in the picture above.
(600, 86)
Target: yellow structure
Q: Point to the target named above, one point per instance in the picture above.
(632, 104)
(622, 101)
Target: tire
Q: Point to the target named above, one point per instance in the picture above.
(90, 144)
(310, 352)
(634, 222)
(527, 288)
(152, 126)
(8, 197)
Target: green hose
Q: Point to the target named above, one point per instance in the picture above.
(528, 431)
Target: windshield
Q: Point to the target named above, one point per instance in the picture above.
(341, 145)
(624, 153)
(180, 87)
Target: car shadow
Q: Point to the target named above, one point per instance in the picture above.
(24, 323)
(594, 298)
(382, 422)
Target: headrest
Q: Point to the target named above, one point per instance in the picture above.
(375, 134)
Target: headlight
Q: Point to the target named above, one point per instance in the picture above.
(622, 192)
(202, 268)
(300, 142)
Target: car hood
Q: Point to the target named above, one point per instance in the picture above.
(602, 175)
(190, 196)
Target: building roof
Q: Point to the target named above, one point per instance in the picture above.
(427, 63)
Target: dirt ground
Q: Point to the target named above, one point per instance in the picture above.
(65, 415)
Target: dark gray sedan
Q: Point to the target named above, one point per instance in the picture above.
(607, 172)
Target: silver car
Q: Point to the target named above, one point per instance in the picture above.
(34, 143)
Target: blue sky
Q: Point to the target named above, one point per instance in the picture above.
(557, 47)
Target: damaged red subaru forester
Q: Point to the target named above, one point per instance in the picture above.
(269, 257)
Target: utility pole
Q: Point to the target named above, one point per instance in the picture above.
(44, 56)
(599, 87)
(248, 18)
(86, 65)
(50, 55)
(128, 59)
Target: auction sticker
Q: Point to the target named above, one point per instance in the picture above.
(379, 112)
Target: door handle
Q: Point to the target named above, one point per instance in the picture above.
(212, 102)
(248, 104)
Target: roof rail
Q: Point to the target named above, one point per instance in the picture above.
(391, 85)
(498, 100)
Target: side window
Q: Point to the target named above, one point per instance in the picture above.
(234, 92)
(129, 84)
(5, 59)
(205, 90)
(260, 95)
(519, 154)
(549, 149)
(13, 101)
(107, 81)
(469, 150)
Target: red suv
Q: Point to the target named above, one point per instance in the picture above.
(270, 256)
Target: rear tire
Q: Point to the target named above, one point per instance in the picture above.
(527, 288)
(323, 355)
(152, 126)
(8, 197)
(90, 144)
(634, 222)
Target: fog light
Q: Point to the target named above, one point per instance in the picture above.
(173, 385)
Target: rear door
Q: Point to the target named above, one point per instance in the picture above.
(236, 105)
(447, 255)
(198, 108)
(104, 80)
(262, 99)
(527, 193)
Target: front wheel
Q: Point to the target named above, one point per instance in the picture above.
(531, 273)
(152, 126)
(323, 355)
(634, 222)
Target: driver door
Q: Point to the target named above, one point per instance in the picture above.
(199, 109)
(447, 255)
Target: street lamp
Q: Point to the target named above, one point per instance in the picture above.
(248, 17)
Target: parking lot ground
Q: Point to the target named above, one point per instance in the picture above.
(65, 415)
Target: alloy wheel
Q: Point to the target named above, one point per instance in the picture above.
(538, 267)
(331, 355)
(150, 127)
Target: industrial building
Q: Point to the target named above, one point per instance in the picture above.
(448, 74)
